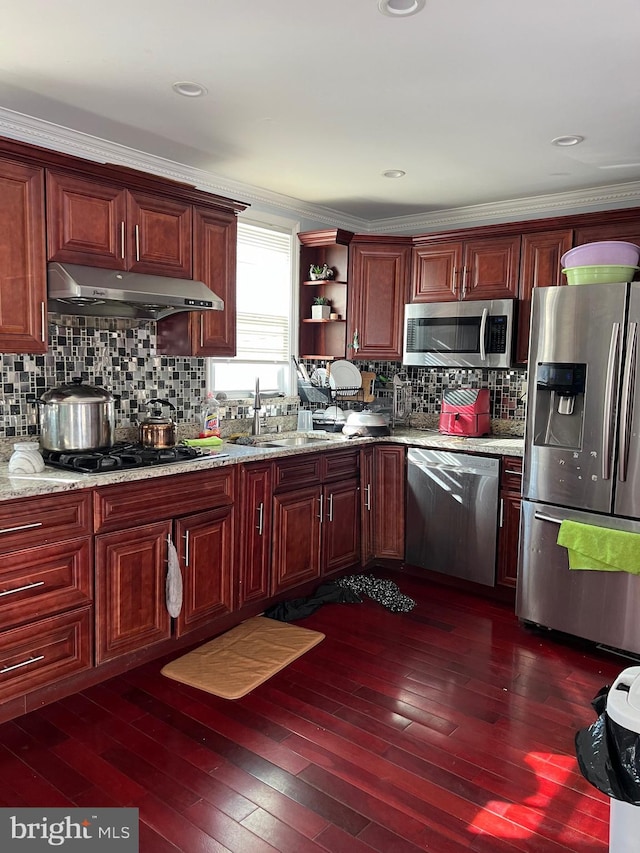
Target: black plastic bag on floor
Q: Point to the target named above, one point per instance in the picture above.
(609, 755)
(299, 608)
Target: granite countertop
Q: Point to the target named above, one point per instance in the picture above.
(52, 480)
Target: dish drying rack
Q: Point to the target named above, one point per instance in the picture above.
(401, 400)
(316, 394)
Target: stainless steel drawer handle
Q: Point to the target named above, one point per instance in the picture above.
(21, 527)
(21, 588)
(542, 517)
(22, 663)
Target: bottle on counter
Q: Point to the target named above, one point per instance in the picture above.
(210, 417)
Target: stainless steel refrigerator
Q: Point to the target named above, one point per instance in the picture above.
(582, 458)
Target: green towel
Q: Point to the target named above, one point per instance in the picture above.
(600, 548)
(210, 441)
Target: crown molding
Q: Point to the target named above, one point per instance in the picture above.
(24, 128)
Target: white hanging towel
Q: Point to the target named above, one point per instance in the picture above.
(174, 581)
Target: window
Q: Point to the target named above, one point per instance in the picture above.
(265, 309)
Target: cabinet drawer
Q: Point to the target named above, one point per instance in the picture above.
(41, 581)
(512, 474)
(297, 471)
(337, 465)
(128, 504)
(44, 652)
(37, 521)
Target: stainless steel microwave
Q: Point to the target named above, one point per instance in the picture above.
(459, 334)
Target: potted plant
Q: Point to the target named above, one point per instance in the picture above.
(320, 309)
(320, 273)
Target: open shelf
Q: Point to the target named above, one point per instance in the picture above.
(326, 338)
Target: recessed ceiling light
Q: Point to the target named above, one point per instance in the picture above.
(566, 141)
(400, 8)
(189, 89)
(394, 173)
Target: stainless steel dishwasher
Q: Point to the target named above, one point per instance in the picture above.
(452, 513)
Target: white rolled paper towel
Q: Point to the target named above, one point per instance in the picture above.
(174, 582)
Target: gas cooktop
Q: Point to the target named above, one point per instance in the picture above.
(120, 457)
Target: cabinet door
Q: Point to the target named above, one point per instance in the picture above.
(205, 553)
(509, 532)
(366, 504)
(341, 526)
(508, 538)
(437, 272)
(207, 333)
(131, 568)
(540, 267)
(389, 501)
(628, 231)
(378, 284)
(86, 222)
(159, 235)
(491, 267)
(296, 537)
(255, 537)
(23, 288)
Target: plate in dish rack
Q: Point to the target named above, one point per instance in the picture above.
(346, 375)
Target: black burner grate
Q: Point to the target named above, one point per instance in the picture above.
(119, 457)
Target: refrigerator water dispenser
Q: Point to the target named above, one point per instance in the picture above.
(559, 404)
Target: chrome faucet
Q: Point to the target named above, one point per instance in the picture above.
(257, 405)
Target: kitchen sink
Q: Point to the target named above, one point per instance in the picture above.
(295, 441)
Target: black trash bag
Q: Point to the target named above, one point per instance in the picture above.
(609, 755)
(299, 608)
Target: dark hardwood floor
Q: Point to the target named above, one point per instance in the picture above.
(449, 728)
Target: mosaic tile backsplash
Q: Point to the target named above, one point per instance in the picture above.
(121, 355)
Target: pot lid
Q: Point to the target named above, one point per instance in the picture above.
(77, 392)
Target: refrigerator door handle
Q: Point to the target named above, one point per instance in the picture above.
(483, 328)
(609, 399)
(541, 517)
(626, 412)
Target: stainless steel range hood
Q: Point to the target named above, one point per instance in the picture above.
(74, 289)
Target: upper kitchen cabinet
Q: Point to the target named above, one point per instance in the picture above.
(452, 270)
(378, 285)
(23, 291)
(628, 230)
(105, 225)
(207, 333)
(540, 267)
(326, 338)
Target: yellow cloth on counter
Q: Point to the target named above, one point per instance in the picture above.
(600, 548)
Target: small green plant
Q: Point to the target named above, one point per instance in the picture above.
(320, 300)
(316, 270)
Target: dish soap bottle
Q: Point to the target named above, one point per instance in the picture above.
(211, 417)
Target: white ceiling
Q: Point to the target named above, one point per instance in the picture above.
(315, 99)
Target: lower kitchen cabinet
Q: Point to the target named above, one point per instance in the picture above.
(45, 651)
(296, 537)
(389, 501)
(509, 532)
(366, 505)
(340, 526)
(316, 517)
(254, 563)
(46, 591)
(205, 553)
(131, 568)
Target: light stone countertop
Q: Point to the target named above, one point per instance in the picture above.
(52, 480)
